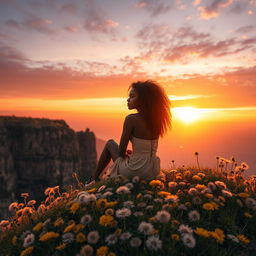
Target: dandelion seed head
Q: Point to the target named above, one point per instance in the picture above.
(93, 237)
(135, 242)
(163, 216)
(146, 228)
(154, 243)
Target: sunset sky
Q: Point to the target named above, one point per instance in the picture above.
(74, 60)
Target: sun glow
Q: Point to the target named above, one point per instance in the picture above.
(187, 114)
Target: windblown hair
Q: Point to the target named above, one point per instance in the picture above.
(154, 106)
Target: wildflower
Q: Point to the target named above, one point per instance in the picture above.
(86, 250)
(101, 203)
(149, 208)
(122, 213)
(61, 246)
(41, 209)
(220, 184)
(146, 228)
(111, 254)
(13, 206)
(182, 207)
(135, 179)
(111, 239)
(202, 232)
(68, 237)
(193, 192)
(107, 221)
(163, 216)
(196, 178)
(93, 237)
(129, 185)
(200, 187)
(185, 229)
(86, 219)
(226, 193)
(38, 226)
(233, 238)
(102, 251)
(28, 240)
(250, 202)
(188, 240)
(153, 242)
(69, 227)
(141, 205)
(125, 235)
(175, 223)
(194, 215)
(248, 215)
(80, 237)
(158, 200)
(156, 183)
(123, 190)
(208, 195)
(109, 211)
(243, 195)
(128, 204)
(172, 199)
(175, 237)
(135, 242)
(243, 239)
(147, 196)
(48, 235)
(196, 200)
(110, 204)
(139, 196)
(211, 186)
(245, 166)
(172, 184)
(46, 222)
(218, 234)
(136, 214)
(101, 188)
(107, 194)
(210, 206)
(14, 240)
(27, 251)
(163, 193)
(86, 198)
(91, 190)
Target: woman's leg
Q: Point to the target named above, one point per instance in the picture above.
(109, 152)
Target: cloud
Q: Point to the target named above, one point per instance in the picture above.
(238, 8)
(39, 24)
(71, 8)
(12, 23)
(245, 29)
(154, 7)
(213, 10)
(71, 29)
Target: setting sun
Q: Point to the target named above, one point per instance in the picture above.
(187, 114)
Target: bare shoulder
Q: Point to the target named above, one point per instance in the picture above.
(131, 118)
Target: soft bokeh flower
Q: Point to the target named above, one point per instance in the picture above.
(185, 229)
(111, 239)
(233, 238)
(93, 237)
(154, 243)
(86, 219)
(68, 237)
(194, 215)
(135, 242)
(27, 251)
(123, 190)
(80, 237)
(29, 240)
(128, 204)
(107, 221)
(163, 216)
(146, 228)
(102, 251)
(48, 236)
(123, 213)
(243, 239)
(86, 250)
(188, 240)
(125, 235)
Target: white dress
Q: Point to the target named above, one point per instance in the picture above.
(143, 161)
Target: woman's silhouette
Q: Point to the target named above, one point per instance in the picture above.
(153, 118)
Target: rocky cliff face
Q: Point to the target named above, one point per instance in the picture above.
(37, 153)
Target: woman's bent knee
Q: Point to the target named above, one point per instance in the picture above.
(110, 142)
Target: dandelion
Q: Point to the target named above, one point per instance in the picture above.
(196, 178)
(58, 222)
(172, 199)
(93, 237)
(69, 227)
(86, 250)
(68, 237)
(74, 207)
(185, 229)
(156, 183)
(111, 239)
(135, 242)
(163, 216)
(125, 236)
(146, 228)
(218, 234)
(154, 243)
(194, 215)
(233, 238)
(123, 190)
(123, 213)
(28, 240)
(210, 206)
(128, 204)
(188, 240)
(135, 179)
(86, 219)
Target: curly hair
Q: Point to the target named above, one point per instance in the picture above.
(154, 106)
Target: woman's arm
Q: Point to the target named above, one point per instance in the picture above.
(126, 134)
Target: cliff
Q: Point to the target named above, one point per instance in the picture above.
(37, 153)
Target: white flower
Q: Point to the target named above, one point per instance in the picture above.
(188, 240)
(149, 208)
(146, 228)
(111, 239)
(196, 200)
(192, 192)
(125, 235)
(135, 179)
(101, 188)
(46, 222)
(135, 242)
(200, 174)
(136, 214)
(211, 186)
(128, 204)
(129, 185)
(153, 242)
(141, 205)
(194, 215)
(68, 237)
(87, 218)
(226, 193)
(233, 238)
(86, 198)
(147, 196)
(163, 216)
(185, 229)
(122, 213)
(86, 250)
(28, 240)
(106, 194)
(93, 237)
(123, 190)
(158, 200)
(182, 207)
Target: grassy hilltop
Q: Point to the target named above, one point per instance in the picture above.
(187, 211)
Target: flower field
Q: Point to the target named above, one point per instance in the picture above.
(186, 211)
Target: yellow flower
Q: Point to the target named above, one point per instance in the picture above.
(152, 219)
(164, 193)
(102, 251)
(210, 206)
(218, 234)
(222, 198)
(106, 221)
(175, 237)
(78, 227)
(38, 226)
(248, 215)
(139, 196)
(200, 187)
(14, 240)
(202, 232)
(48, 236)
(91, 190)
(208, 195)
(111, 254)
(243, 195)
(58, 222)
(156, 183)
(74, 207)
(110, 204)
(27, 251)
(149, 192)
(69, 227)
(196, 178)
(61, 246)
(100, 203)
(80, 237)
(243, 239)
